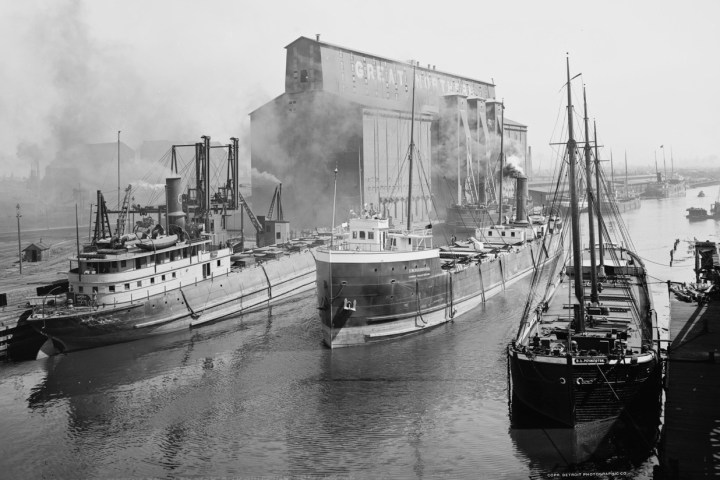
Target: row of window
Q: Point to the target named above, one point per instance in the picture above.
(126, 286)
(512, 234)
(361, 234)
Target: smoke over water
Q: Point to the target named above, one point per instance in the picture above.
(72, 93)
(302, 146)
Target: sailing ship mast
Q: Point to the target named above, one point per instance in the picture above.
(627, 186)
(577, 254)
(502, 157)
(601, 250)
(410, 155)
(590, 204)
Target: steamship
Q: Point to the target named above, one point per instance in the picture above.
(664, 188)
(590, 349)
(379, 282)
(124, 287)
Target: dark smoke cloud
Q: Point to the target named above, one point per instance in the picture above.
(513, 167)
(302, 146)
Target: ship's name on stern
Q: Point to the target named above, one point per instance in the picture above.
(419, 270)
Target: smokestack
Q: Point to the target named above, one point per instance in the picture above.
(521, 190)
(175, 213)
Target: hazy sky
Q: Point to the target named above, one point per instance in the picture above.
(79, 71)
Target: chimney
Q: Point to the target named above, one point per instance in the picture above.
(521, 192)
(175, 213)
(317, 37)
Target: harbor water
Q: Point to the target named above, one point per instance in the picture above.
(259, 395)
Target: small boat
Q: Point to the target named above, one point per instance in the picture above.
(701, 194)
(157, 243)
(589, 347)
(697, 213)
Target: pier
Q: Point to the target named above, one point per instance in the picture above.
(690, 445)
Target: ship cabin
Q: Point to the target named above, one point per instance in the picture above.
(503, 234)
(116, 276)
(374, 235)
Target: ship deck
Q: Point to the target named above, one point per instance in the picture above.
(616, 296)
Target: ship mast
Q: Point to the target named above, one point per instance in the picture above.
(627, 186)
(502, 157)
(575, 217)
(410, 156)
(590, 206)
(601, 250)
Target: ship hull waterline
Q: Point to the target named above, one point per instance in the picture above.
(369, 307)
(208, 300)
(582, 394)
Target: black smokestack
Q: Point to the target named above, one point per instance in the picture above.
(521, 189)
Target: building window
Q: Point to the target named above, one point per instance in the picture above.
(139, 284)
(152, 280)
(512, 234)
(123, 263)
(80, 289)
(111, 288)
(354, 235)
(303, 76)
(95, 289)
(163, 278)
(503, 234)
(127, 286)
(371, 235)
(218, 262)
(362, 235)
(174, 275)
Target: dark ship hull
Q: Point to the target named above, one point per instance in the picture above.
(582, 390)
(366, 297)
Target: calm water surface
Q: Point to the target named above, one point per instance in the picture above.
(260, 396)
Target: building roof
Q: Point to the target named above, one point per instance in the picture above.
(371, 55)
(36, 246)
(513, 124)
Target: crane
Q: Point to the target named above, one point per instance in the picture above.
(253, 219)
(276, 195)
(122, 217)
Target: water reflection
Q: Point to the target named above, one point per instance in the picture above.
(626, 446)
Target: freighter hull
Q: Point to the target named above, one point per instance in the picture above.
(367, 297)
(574, 393)
(180, 308)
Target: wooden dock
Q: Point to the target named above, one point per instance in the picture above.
(690, 445)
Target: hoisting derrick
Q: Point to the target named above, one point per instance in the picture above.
(276, 198)
(122, 218)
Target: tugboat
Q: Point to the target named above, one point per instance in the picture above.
(591, 346)
(125, 287)
(697, 213)
(380, 281)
